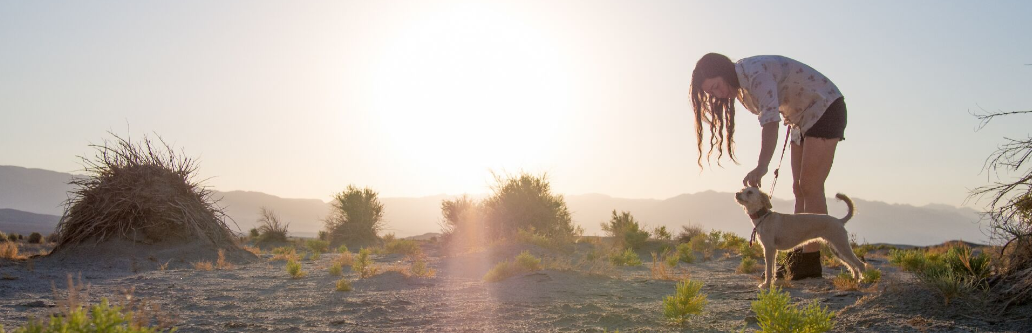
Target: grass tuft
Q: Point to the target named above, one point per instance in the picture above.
(336, 269)
(626, 258)
(203, 266)
(294, 269)
(343, 285)
(363, 265)
(775, 313)
(748, 265)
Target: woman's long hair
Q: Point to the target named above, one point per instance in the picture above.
(718, 113)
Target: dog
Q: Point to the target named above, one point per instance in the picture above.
(783, 232)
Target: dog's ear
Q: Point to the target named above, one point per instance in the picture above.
(766, 200)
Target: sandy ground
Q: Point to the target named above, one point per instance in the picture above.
(261, 297)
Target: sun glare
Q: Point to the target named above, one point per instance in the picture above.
(468, 88)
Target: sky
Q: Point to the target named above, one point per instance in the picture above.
(414, 98)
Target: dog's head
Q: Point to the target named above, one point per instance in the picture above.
(752, 199)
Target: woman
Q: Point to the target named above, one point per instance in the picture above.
(774, 87)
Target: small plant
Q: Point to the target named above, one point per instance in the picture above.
(672, 260)
(844, 281)
(343, 285)
(660, 271)
(271, 229)
(346, 259)
(254, 233)
(294, 269)
(342, 248)
(731, 241)
(363, 264)
(754, 250)
(222, 263)
(336, 269)
(774, 313)
(626, 258)
(662, 233)
(317, 246)
(9, 250)
(203, 266)
(685, 253)
(528, 262)
(871, 275)
(35, 238)
(102, 317)
(702, 243)
(688, 232)
(501, 271)
(685, 302)
(284, 253)
(748, 265)
(909, 260)
(625, 230)
(421, 269)
(316, 255)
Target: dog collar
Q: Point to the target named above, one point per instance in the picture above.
(760, 213)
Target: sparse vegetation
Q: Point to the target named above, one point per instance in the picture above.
(661, 233)
(528, 262)
(951, 271)
(222, 263)
(420, 268)
(203, 266)
(775, 313)
(356, 217)
(688, 232)
(625, 230)
(102, 317)
(871, 275)
(525, 262)
(685, 302)
(662, 270)
(748, 265)
(284, 253)
(403, 246)
(9, 250)
(685, 253)
(336, 269)
(317, 246)
(844, 281)
(342, 248)
(35, 238)
(270, 229)
(704, 244)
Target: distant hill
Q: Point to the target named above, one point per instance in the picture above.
(40, 191)
(25, 223)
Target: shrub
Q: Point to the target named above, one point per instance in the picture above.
(222, 263)
(342, 248)
(363, 265)
(284, 253)
(343, 285)
(871, 275)
(254, 233)
(662, 271)
(35, 238)
(688, 232)
(844, 281)
(13, 237)
(203, 266)
(294, 269)
(672, 260)
(356, 216)
(774, 313)
(702, 243)
(555, 243)
(626, 258)
(948, 284)
(102, 317)
(463, 223)
(731, 241)
(626, 232)
(685, 253)
(421, 269)
(661, 233)
(528, 262)
(501, 271)
(346, 259)
(336, 269)
(526, 202)
(909, 260)
(318, 246)
(9, 250)
(403, 246)
(747, 266)
(685, 302)
(270, 229)
(754, 251)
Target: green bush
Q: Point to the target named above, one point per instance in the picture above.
(871, 275)
(557, 243)
(363, 264)
(626, 258)
(402, 246)
(528, 262)
(35, 238)
(625, 230)
(754, 251)
(731, 241)
(909, 260)
(685, 302)
(318, 246)
(100, 318)
(774, 313)
(254, 233)
(688, 232)
(343, 284)
(342, 248)
(356, 217)
(661, 233)
(294, 269)
(685, 253)
(747, 266)
(526, 202)
(672, 260)
(421, 269)
(702, 243)
(336, 269)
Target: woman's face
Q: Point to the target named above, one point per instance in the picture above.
(717, 87)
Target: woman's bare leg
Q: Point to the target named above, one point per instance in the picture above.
(809, 173)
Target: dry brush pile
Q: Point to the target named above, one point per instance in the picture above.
(143, 192)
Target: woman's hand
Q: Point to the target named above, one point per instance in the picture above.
(752, 179)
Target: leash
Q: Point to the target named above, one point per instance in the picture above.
(752, 237)
(788, 134)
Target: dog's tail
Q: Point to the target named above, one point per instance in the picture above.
(849, 204)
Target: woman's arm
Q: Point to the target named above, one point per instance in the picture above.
(769, 141)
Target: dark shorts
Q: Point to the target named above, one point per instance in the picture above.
(832, 124)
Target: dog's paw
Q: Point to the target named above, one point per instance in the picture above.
(764, 285)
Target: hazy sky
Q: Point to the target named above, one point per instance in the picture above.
(413, 98)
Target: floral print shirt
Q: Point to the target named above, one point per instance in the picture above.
(774, 85)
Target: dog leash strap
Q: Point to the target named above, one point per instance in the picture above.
(788, 134)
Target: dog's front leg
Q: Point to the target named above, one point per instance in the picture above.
(770, 257)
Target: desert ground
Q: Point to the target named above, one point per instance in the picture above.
(258, 295)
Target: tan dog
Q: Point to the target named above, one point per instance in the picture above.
(785, 232)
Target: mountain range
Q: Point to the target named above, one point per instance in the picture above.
(31, 200)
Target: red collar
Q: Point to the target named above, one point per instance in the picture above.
(760, 213)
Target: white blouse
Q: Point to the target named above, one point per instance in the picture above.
(774, 85)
